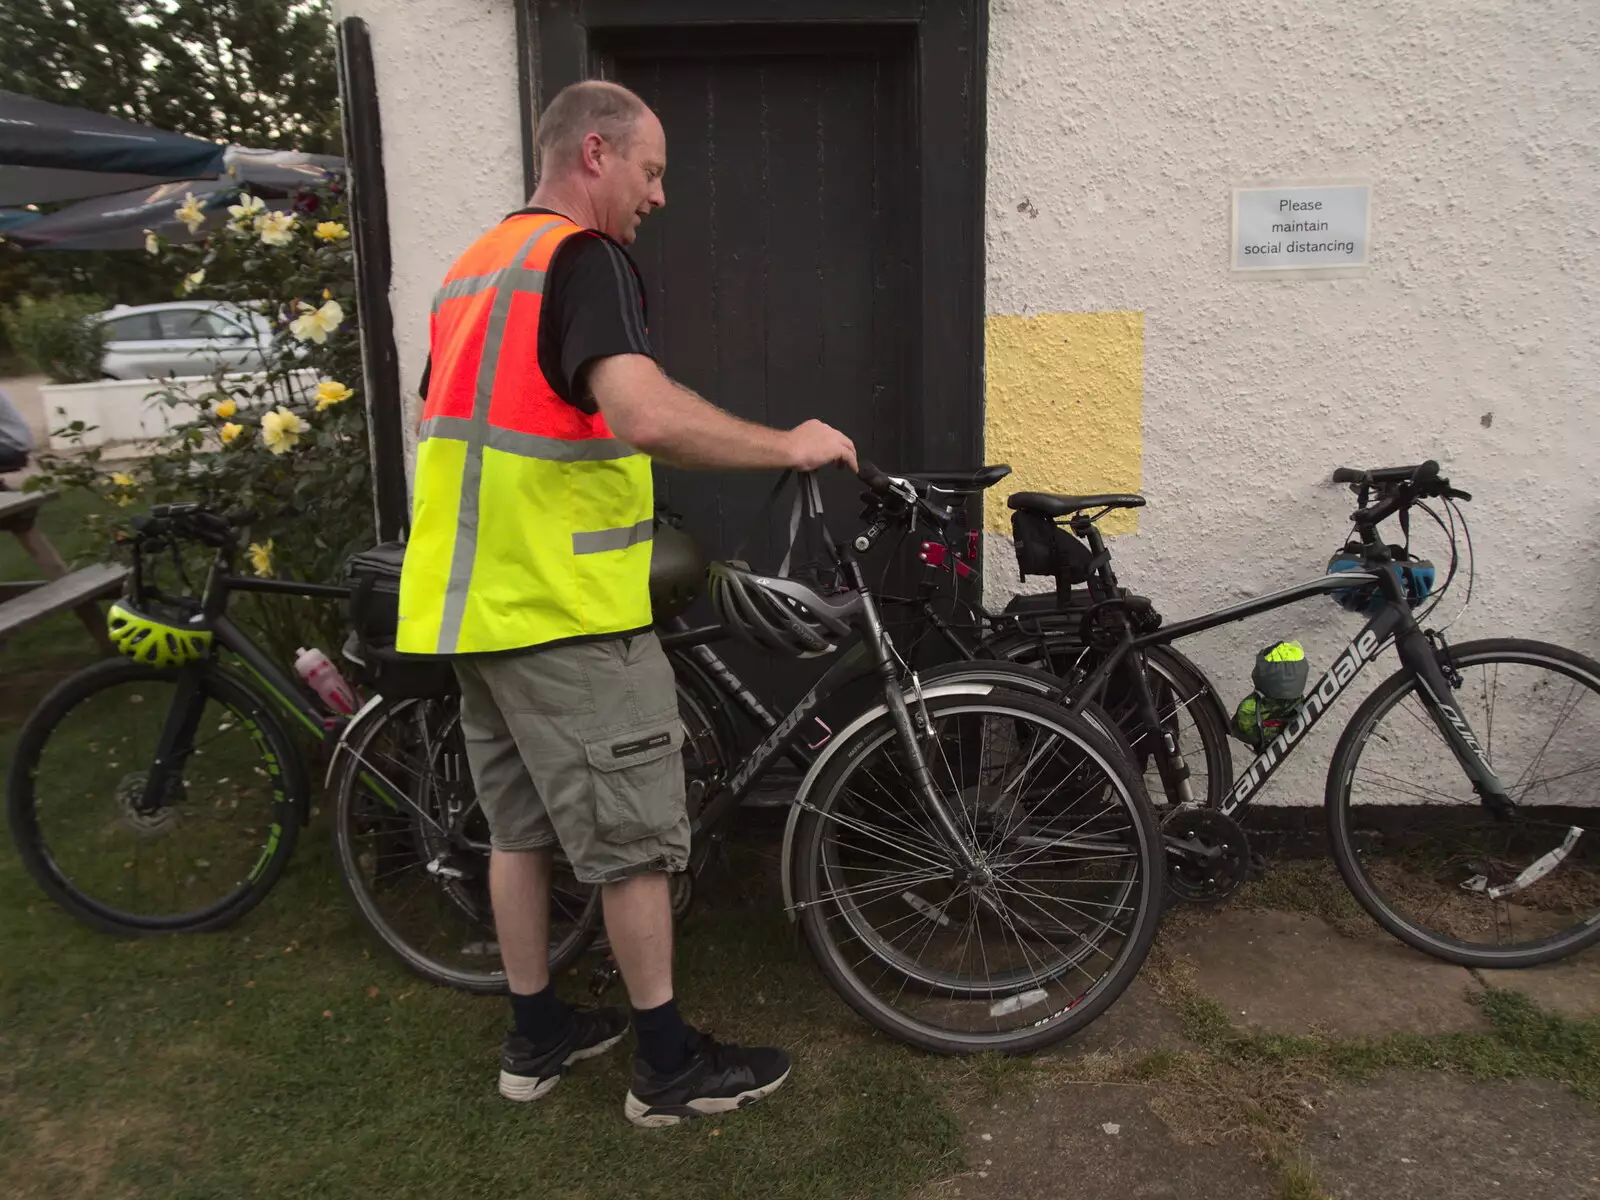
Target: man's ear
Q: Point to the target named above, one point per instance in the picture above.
(592, 150)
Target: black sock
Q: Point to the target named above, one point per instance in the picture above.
(541, 1017)
(663, 1037)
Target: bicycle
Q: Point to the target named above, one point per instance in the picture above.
(973, 869)
(1500, 870)
(163, 793)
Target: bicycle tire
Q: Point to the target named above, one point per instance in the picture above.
(1169, 666)
(259, 721)
(1343, 837)
(1137, 931)
(351, 812)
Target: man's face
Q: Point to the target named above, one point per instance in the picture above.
(630, 180)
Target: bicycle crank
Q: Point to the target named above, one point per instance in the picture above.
(1208, 855)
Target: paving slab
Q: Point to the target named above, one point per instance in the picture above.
(1137, 1023)
(1293, 973)
(1095, 1142)
(1425, 1136)
(1570, 987)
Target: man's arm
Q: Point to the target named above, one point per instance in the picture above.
(666, 420)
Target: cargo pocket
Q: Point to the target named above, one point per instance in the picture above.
(638, 780)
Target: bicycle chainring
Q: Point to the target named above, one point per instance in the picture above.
(1208, 855)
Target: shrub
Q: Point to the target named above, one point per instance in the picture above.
(288, 443)
(56, 337)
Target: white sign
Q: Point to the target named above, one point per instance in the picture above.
(1295, 228)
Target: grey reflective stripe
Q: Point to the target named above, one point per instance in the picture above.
(527, 445)
(476, 437)
(602, 540)
(518, 278)
(628, 298)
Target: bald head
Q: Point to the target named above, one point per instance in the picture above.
(602, 154)
(593, 106)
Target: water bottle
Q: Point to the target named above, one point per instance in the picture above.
(1280, 676)
(324, 679)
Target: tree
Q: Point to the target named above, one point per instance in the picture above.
(249, 72)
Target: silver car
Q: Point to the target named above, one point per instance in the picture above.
(184, 337)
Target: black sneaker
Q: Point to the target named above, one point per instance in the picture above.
(716, 1079)
(528, 1071)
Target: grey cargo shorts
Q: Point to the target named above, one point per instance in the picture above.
(580, 746)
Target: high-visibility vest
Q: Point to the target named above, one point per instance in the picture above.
(531, 523)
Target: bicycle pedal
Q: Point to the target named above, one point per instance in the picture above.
(604, 977)
(1258, 866)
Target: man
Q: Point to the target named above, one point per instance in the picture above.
(16, 439)
(529, 560)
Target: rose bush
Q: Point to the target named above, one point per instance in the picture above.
(288, 443)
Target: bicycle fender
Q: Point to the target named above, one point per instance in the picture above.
(834, 744)
(351, 726)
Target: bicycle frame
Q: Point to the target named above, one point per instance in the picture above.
(1393, 623)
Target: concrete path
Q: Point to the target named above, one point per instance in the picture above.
(1403, 1136)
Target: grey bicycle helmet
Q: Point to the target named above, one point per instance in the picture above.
(677, 571)
(779, 614)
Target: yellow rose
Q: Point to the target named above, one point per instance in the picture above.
(229, 431)
(315, 324)
(330, 231)
(281, 430)
(243, 214)
(193, 280)
(152, 244)
(191, 212)
(122, 479)
(261, 558)
(225, 408)
(331, 392)
(275, 228)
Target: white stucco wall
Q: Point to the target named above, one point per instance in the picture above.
(1116, 133)
(452, 151)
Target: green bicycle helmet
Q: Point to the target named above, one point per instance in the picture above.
(155, 641)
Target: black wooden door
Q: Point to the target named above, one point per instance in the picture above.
(781, 273)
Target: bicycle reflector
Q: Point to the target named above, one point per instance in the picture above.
(1416, 573)
(153, 641)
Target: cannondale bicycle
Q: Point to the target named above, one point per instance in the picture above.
(1462, 803)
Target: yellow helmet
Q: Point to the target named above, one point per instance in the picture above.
(155, 642)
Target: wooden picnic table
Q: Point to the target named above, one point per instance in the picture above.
(26, 601)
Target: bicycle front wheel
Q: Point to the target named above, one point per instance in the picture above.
(1018, 954)
(1423, 854)
(94, 834)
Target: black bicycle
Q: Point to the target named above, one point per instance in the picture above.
(1462, 803)
(972, 868)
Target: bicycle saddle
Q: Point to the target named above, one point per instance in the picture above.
(973, 479)
(1048, 504)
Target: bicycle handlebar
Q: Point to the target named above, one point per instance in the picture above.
(194, 521)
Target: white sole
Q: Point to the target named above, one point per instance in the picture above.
(523, 1088)
(639, 1113)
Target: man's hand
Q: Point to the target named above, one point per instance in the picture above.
(815, 445)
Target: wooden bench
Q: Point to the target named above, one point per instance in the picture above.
(27, 601)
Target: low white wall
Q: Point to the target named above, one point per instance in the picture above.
(132, 410)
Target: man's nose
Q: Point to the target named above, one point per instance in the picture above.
(658, 196)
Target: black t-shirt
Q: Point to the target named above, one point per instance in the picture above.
(593, 308)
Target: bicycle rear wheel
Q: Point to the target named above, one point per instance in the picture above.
(1040, 940)
(1427, 859)
(1185, 701)
(196, 857)
(413, 850)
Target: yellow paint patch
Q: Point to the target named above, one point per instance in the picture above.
(1064, 398)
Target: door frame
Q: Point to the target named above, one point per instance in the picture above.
(554, 48)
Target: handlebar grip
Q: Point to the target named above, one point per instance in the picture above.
(1427, 472)
(872, 477)
(1348, 475)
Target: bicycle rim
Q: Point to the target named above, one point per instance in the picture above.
(1020, 954)
(1428, 860)
(100, 840)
